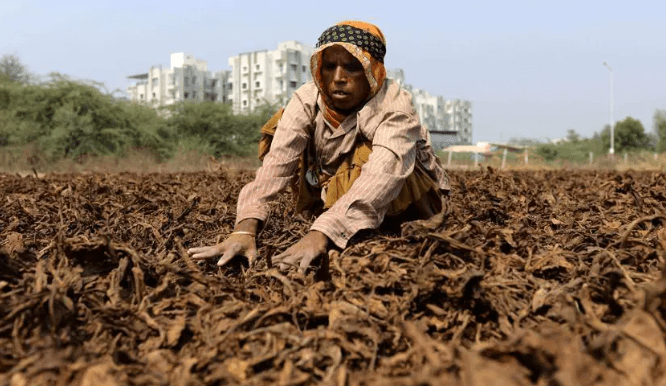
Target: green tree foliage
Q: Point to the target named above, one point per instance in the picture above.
(660, 129)
(572, 136)
(548, 151)
(69, 119)
(577, 151)
(62, 118)
(214, 125)
(12, 70)
(629, 135)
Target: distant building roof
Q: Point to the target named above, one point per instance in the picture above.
(447, 132)
(138, 76)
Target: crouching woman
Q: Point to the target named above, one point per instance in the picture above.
(350, 146)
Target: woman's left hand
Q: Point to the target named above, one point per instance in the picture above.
(303, 252)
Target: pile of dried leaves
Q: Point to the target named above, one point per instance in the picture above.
(547, 278)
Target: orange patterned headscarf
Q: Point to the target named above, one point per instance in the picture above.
(366, 43)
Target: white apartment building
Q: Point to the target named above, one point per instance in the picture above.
(268, 76)
(398, 75)
(449, 121)
(188, 79)
(431, 109)
(459, 118)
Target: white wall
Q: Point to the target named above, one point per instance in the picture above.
(268, 76)
(188, 79)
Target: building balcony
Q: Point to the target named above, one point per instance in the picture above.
(279, 56)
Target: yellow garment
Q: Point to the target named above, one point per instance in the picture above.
(420, 189)
(267, 132)
(298, 185)
(419, 186)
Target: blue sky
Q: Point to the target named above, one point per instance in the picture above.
(531, 68)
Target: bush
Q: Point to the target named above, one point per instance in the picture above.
(67, 119)
(214, 124)
(629, 136)
(578, 151)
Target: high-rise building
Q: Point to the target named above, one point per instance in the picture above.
(271, 77)
(459, 119)
(188, 79)
(449, 121)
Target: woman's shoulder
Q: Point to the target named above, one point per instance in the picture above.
(305, 99)
(392, 103)
(392, 98)
(307, 93)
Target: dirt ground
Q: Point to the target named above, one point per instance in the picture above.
(530, 278)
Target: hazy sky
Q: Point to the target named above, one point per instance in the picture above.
(531, 68)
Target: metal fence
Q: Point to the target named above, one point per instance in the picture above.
(528, 159)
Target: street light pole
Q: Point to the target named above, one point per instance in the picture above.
(612, 129)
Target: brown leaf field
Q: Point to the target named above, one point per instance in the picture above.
(527, 278)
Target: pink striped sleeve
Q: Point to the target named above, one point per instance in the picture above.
(279, 166)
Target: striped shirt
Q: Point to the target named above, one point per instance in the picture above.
(398, 141)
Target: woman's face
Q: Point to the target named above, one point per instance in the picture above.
(344, 81)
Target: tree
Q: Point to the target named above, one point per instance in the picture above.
(548, 151)
(13, 70)
(572, 136)
(629, 135)
(660, 129)
(528, 142)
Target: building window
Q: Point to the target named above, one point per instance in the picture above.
(155, 80)
(186, 94)
(292, 84)
(141, 96)
(244, 86)
(194, 94)
(187, 81)
(153, 95)
(194, 80)
(257, 67)
(244, 68)
(256, 84)
(230, 86)
(258, 100)
(294, 67)
(303, 68)
(244, 103)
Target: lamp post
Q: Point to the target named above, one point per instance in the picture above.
(612, 131)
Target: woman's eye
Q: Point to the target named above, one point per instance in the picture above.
(353, 67)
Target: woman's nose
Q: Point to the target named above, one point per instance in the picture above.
(339, 74)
